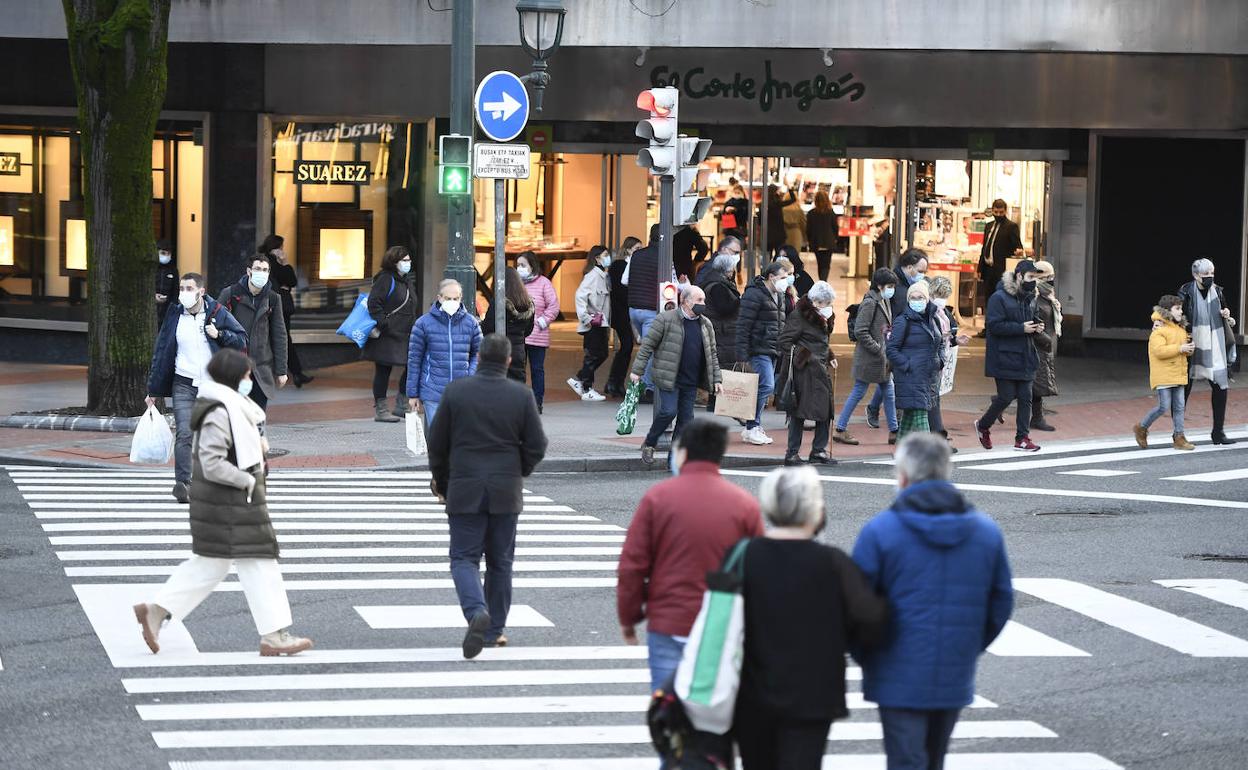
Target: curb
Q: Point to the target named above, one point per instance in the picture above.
(80, 422)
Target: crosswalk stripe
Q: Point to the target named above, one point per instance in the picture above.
(1212, 476)
(386, 680)
(1231, 592)
(1142, 620)
(182, 554)
(1098, 473)
(1065, 447)
(149, 570)
(1096, 459)
(317, 656)
(355, 526)
(173, 507)
(369, 477)
(396, 616)
(344, 538)
(429, 584)
(278, 515)
(1017, 640)
(132, 494)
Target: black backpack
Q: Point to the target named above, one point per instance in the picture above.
(851, 317)
(677, 741)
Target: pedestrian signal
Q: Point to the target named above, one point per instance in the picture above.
(454, 165)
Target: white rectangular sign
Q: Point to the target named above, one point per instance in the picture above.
(500, 161)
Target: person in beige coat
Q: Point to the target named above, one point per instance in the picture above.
(593, 322)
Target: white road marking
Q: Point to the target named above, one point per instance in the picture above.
(1142, 620)
(1231, 592)
(1064, 447)
(150, 570)
(181, 554)
(1213, 476)
(1098, 473)
(344, 538)
(305, 515)
(282, 524)
(1096, 459)
(429, 584)
(1017, 640)
(386, 680)
(174, 507)
(395, 616)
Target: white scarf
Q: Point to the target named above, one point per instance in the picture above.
(245, 415)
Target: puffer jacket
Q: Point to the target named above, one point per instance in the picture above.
(1011, 352)
(1167, 365)
(871, 325)
(723, 304)
(665, 342)
(805, 339)
(942, 565)
(914, 350)
(442, 348)
(230, 334)
(545, 306)
(593, 296)
(225, 523)
(759, 322)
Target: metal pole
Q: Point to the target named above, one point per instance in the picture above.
(751, 257)
(460, 220)
(766, 205)
(667, 191)
(500, 256)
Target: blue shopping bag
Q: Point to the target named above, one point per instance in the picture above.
(359, 323)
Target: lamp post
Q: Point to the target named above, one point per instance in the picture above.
(541, 31)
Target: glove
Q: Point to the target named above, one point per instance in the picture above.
(542, 323)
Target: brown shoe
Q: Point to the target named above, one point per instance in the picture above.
(151, 617)
(892, 437)
(283, 643)
(1181, 442)
(844, 437)
(1141, 435)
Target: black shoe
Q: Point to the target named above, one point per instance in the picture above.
(1221, 438)
(1038, 423)
(539, 408)
(873, 418)
(790, 460)
(182, 491)
(647, 454)
(474, 640)
(822, 458)
(302, 379)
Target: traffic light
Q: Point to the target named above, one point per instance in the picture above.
(691, 204)
(454, 165)
(669, 296)
(659, 129)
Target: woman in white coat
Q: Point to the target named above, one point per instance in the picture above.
(593, 322)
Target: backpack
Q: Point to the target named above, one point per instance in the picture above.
(851, 317)
(676, 739)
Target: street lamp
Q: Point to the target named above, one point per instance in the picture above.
(541, 30)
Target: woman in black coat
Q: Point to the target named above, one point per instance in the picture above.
(520, 319)
(805, 356)
(821, 232)
(915, 349)
(392, 306)
(284, 279)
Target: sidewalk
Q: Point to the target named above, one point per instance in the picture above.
(328, 424)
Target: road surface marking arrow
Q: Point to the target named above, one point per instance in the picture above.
(504, 109)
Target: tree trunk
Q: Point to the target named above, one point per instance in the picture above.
(118, 50)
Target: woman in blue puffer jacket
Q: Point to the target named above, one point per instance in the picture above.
(914, 350)
(443, 347)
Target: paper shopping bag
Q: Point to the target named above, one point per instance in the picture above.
(740, 396)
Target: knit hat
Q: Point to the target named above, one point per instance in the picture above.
(1045, 269)
(1026, 266)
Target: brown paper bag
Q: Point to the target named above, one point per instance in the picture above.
(740, 396)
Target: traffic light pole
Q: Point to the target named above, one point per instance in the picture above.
(500, 256)
(667, 194)
(459, 263)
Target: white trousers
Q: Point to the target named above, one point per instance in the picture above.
(196, 577)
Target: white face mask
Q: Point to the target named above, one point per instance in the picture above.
(164, 257)
(826, 312)
(450, 306)
(404, 266)
(244, 387)
(940, 302)
(524, 271)
(259, 279)
(188, 298)
(781, 284)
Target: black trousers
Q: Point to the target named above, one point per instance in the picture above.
(1218, 397)
(818, 445)
(596, 342)
(1007, 391)
(771, 744)
(293, 365)
(823, 257)
(623, 357)
(381, 380)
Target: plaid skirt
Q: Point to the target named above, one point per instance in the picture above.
(913, 421)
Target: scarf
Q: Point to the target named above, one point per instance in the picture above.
(245, 415)
(1209, 361)
(1046, 291)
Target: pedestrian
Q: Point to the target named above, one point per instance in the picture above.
(947, 324)
(545, 311)
(911, 268)
(799, 280)
(777, 199)
(487, 437)
(1213, 331)
(943, 568)
(1011, 358)
(805, 603)
(736, 215)
(254, 304)
(1169, 348)
(681, 343)
(285, 281)
(625, 336)
(392, 304)
(166, 281)
(821, 232)
(689, 249)
(805, 355)
(914, 350)
(442, 348)
(1002, 240)
(871, 367)
(758, 333)
(718, 280)
(194, 329)
(641, 276)
(519, 319)
(794, 224)
(229, 514)
(593, 322)
(1049, 313)
(681, 530)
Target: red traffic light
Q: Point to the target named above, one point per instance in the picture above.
(658, 103)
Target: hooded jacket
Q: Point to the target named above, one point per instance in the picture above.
(442, 348)
(1167, 365)
(914, 350)
(942, 566)
(1011, 351)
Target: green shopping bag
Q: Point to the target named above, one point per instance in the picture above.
(626, 415)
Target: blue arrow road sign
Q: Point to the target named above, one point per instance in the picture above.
(502, 106)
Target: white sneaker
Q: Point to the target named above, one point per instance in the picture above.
(755, 436)
(592, 395)
(575, 385)
(758, 432)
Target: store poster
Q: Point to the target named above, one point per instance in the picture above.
(1072, 258)
(952, 180)
(1008, 182)
(881, 190)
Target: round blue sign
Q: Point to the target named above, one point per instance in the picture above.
(502, 106)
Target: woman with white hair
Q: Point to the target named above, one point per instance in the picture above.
(947, 324)
(805, 602)
(1213, 332)
(805, 356)
(914, 350)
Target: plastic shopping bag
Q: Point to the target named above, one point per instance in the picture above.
(626, 415)
(950, 371)
(359, 323)
(415, 424)
(153, 441)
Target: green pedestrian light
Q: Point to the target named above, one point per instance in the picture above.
(454, 165)
(453, 180)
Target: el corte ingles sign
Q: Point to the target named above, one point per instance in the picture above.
(695, 83)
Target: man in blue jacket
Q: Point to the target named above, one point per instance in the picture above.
(1011, 357)
(443, 347)
(196, 327)
(943, 568)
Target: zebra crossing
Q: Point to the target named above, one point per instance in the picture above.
(117, 534)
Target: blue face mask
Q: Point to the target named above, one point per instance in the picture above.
(244, 387)
(918, 305)
(887, 292)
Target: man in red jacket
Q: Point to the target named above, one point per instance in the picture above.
(682, 528)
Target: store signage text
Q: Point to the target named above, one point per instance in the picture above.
(695, 84)
(337, 132)
(10, 164)
(327, 172)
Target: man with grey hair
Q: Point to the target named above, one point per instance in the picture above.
(943, 568)
(1213, 333)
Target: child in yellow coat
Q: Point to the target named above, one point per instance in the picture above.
(1168, 349)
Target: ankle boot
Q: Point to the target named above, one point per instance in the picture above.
(1038, 423)
(1141, 435)
(1181, 442)
(401, 406)
(383, 412)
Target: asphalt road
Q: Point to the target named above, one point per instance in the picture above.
(1134, 687)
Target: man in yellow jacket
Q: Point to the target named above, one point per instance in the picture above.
(1168, 349)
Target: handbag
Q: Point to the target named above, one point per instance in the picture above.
(414, 423)
(359, 326)
(786, 400)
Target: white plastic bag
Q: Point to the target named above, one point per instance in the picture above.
(416, 434)
(153, 441)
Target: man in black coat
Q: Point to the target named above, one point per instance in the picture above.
(1011, 357)
(1001, 241)
(485, 438)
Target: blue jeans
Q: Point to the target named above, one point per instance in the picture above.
(676, 404)
(431, 408)
(917, 740)
(884, 394)
(665, 652)
(641, 320)
(537, 370)
(765, 368)
(494, 535)
(1172, 400)
(183, 399)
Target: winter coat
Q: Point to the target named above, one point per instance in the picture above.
(261, 315)
(875, 316)
(1167, 366)
(805, 337)
(899, 302)
(392, 304)
(285, 280)
(665, 343)
(942, 566)
(619, 298)
(759, 322)
(519, 326)
(230, 335)
(1190, 293)
(821, 229)
(723, 305)
(775, 220)
(794, 225)
(802, 280)
(643, 278)
(545, 305)
(442, 348)
(915, 351)
(1011, 353)
(593, 296)
(225, 524)
(1046, 348)
(166, 284)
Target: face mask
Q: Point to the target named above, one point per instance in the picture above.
(826, 312)
(781, 284)
(999, 217)
(790, 280)
(164, 257)
(1206, 283)
(524, 273)
(405, 267)
(918, 305)
(450, 306)
(604, 262)
(244, 387)
(887, 292)
(940, 302)
(259, 279)
(1028, 286)
(188, 298)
